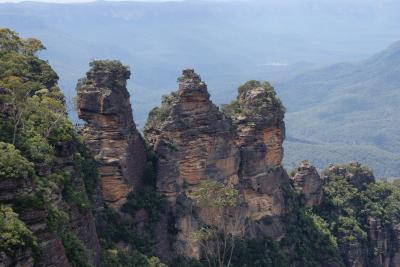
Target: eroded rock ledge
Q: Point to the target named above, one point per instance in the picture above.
(110, 132)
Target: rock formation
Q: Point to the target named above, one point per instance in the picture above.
(110, 132)
(257, 116)
(310, 184)
(193, 141)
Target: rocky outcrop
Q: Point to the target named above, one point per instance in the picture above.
(193, 141)
(257, 116)
(110, 132)
(309, 182)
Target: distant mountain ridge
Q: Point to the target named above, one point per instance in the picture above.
(348, 104)
(230, 42)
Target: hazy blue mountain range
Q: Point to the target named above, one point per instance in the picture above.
(336, 113)
(347, 111)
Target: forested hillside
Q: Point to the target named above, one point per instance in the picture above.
(347, 111)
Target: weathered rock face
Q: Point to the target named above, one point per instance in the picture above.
(257, 116)
(193, 141)
(310, 184)
(110, 132)
(384, 239)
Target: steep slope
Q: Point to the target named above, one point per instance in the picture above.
(348, 104)
(46, 173)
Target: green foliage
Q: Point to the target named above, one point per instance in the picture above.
(34, 131)
(212, 194)
(252, 84)
(309, 239)
(185, 262)
(122, 228)
(159, 114)
(232, 109)
(245, 105)
(117, 228)
(57, 220)
(121, 258)
(74, 196)
(108, 66)
(29, 201)
(75, 250)
(150, 173)
(308, 236)
(381, 200)
(12, 164)
(113, 68)
(14, 235)
(347, 209)
(147, 199)
(10, 42)
(88, 166)
(258, 253)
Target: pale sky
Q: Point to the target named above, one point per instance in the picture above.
(78, 1)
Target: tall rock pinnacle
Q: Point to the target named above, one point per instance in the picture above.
(110, 132)
(193, 141)
(257, 115)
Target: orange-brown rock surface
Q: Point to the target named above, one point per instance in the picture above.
(110, 132)
(193, 141)
(196, 141)
(257, 115)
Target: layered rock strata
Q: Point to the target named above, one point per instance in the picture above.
(196, 141)
(193, 141)
(110, 132)
(257, 116)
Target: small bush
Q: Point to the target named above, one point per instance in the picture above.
(14, 235)
(12, 164)
(75, 250)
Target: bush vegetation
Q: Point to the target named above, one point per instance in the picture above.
(33, 127)
(246, 106)
(14, 235)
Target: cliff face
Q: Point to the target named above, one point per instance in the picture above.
(310, 184)
(257, 116)
(195, 141)
(110, 132)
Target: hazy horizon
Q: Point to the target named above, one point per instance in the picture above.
(230, 42)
